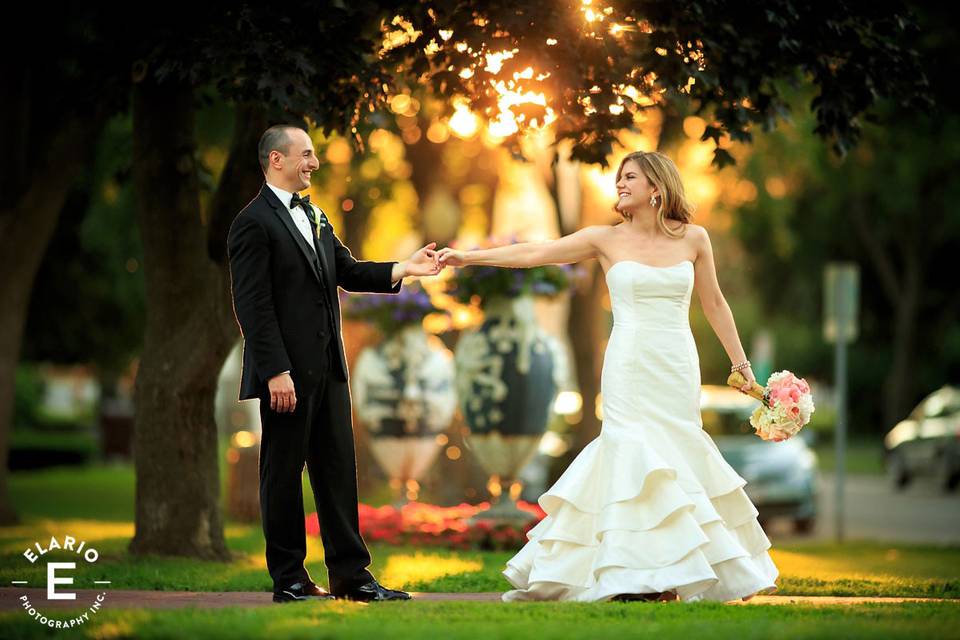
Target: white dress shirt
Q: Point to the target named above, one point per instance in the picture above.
(298, 214)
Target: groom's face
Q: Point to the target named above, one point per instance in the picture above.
(300, 161)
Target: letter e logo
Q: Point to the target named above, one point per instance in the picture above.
(53, 580)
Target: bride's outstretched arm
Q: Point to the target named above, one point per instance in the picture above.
(575, 247)
(715, 306)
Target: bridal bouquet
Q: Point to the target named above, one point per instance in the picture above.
(787, 404)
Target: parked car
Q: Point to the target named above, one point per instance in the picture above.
(781, 476)
(927, 443)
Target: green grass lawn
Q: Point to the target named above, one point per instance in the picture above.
(96, 505)
(454, 620)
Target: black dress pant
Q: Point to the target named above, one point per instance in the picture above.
(318, 434)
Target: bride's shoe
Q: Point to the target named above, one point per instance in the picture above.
(666, 596)
(636, 597)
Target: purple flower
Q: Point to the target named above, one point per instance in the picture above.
(543, 288)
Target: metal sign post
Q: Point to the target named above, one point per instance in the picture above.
(841, 296)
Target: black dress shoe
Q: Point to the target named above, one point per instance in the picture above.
(373, 592)
(301, 591)
(666, 596)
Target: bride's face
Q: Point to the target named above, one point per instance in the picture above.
(633, 188)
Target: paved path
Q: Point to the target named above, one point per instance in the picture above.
(10, 599)
(921, 513)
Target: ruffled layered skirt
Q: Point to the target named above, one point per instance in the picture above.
(645, 509)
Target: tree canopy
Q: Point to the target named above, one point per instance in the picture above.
(595, 66)
(590, 68)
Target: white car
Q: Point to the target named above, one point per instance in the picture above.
(927, 443)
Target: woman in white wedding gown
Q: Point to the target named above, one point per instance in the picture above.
(649, 509)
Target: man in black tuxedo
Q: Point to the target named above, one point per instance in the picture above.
(285, 265)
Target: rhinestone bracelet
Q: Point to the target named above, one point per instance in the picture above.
(740, 367)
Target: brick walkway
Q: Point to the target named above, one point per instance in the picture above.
(10, 599)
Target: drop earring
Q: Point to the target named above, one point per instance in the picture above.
(653, 200)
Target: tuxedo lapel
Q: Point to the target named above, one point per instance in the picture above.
(320, 242)
(281, 212)
(318, 234)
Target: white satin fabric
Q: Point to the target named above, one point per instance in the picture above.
(650, 505)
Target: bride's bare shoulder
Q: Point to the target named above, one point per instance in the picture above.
(696, 230)
(698, 240)
(598, 231)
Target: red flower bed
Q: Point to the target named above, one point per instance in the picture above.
(420, 524)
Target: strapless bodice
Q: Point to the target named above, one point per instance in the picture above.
(654, 298)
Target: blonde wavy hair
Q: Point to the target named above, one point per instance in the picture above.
(662, 173)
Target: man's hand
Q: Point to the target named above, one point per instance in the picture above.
(423, 262)
(283, 397)
(451, 257)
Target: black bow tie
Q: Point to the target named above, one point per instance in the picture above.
(297, 201)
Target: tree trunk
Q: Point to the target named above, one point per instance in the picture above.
(186, 338)
(25, 231)
(897, 387)
(583, 330)
(239, 183)
(903, 289)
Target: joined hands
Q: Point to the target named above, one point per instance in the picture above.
(451, 257)
(427, 261)
(423, 262)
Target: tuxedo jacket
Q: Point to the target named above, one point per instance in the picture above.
(285, 294)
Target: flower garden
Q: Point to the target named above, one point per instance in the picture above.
(426, 525)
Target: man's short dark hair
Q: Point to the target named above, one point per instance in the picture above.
(276, 138)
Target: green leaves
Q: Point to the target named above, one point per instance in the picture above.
(598, 66)
(735, 56)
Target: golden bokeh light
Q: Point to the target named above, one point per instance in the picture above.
(464, 123)
(411, 135)
(494, 487)
(243, 439)
(339, 151)
(745, 191)
(371, 168)
(694, 127)
(776, 186)
(495, 60)
(438, 132)
(567, 402)
(400, 103)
